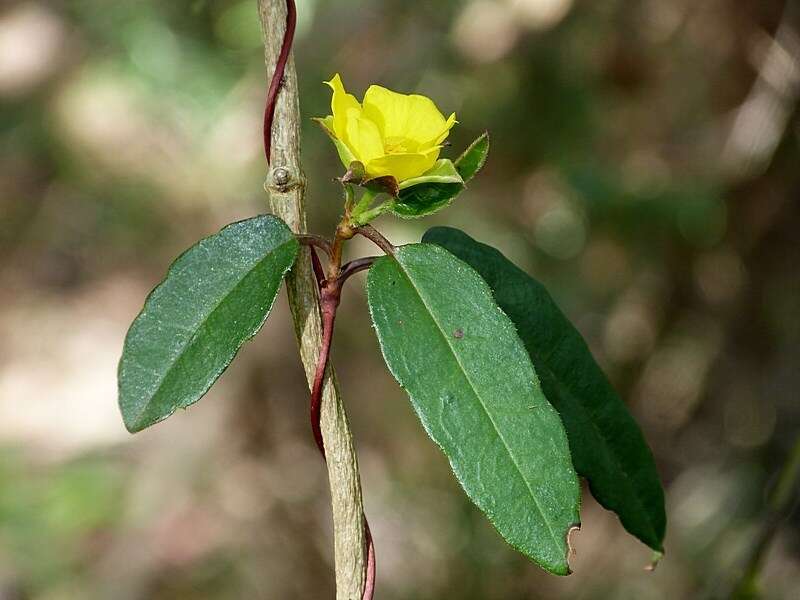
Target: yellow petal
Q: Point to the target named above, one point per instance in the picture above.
(402, 166)
(413, 117)
(341, 103)
(451, 121)
(363, 136)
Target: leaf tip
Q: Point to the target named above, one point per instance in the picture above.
(132, 426)
(654, 560)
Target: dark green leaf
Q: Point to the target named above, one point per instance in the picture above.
(608, 448)
(427, 198)
(215, 297)
(475, 390)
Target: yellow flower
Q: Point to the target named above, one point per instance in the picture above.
(389, 133)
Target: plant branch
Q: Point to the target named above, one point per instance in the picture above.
(330, 295)
(278, 75)
(309, 239)
(376, 237)
(356, 266)
(286, 185)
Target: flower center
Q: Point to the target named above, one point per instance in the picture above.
(396, 145)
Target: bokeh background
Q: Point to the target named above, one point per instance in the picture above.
(644, 166)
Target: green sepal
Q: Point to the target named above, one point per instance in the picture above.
(474, 157)
(345, 155)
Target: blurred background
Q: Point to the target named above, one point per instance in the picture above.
(644, 166)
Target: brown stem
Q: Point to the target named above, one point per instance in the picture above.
(310, 239)
(356, 266)
(286, 187)
(330, 296)
(376, 237)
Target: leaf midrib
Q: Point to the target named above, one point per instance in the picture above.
(205, 319)
(483, 406)
(544, 358)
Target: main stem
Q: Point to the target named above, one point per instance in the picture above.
(286, 185)
(330, 289)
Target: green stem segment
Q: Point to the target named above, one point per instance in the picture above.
(368, 215)
(364, 202)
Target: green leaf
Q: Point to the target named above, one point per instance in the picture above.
(608, 449)
(423, 198)
(475, 390)
(474, 157)
(444, 171)
(426, 199)
(215, 297)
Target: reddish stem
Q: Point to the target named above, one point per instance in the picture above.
(309, 239)
(376, 237)
(369, 583)
(277, 76)
(319, 272)
(330, 293)
(356, 266)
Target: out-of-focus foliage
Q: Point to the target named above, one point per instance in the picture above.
(643, 167)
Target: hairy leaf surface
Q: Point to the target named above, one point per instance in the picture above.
(475, 390)
(608, 448)
(215, 297)
(420, 199)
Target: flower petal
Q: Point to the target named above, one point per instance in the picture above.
(363, 136)
(402, 166)
(451, 121)
(412, 117)
(341, 103)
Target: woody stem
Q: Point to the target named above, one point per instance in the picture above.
(330, 297)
